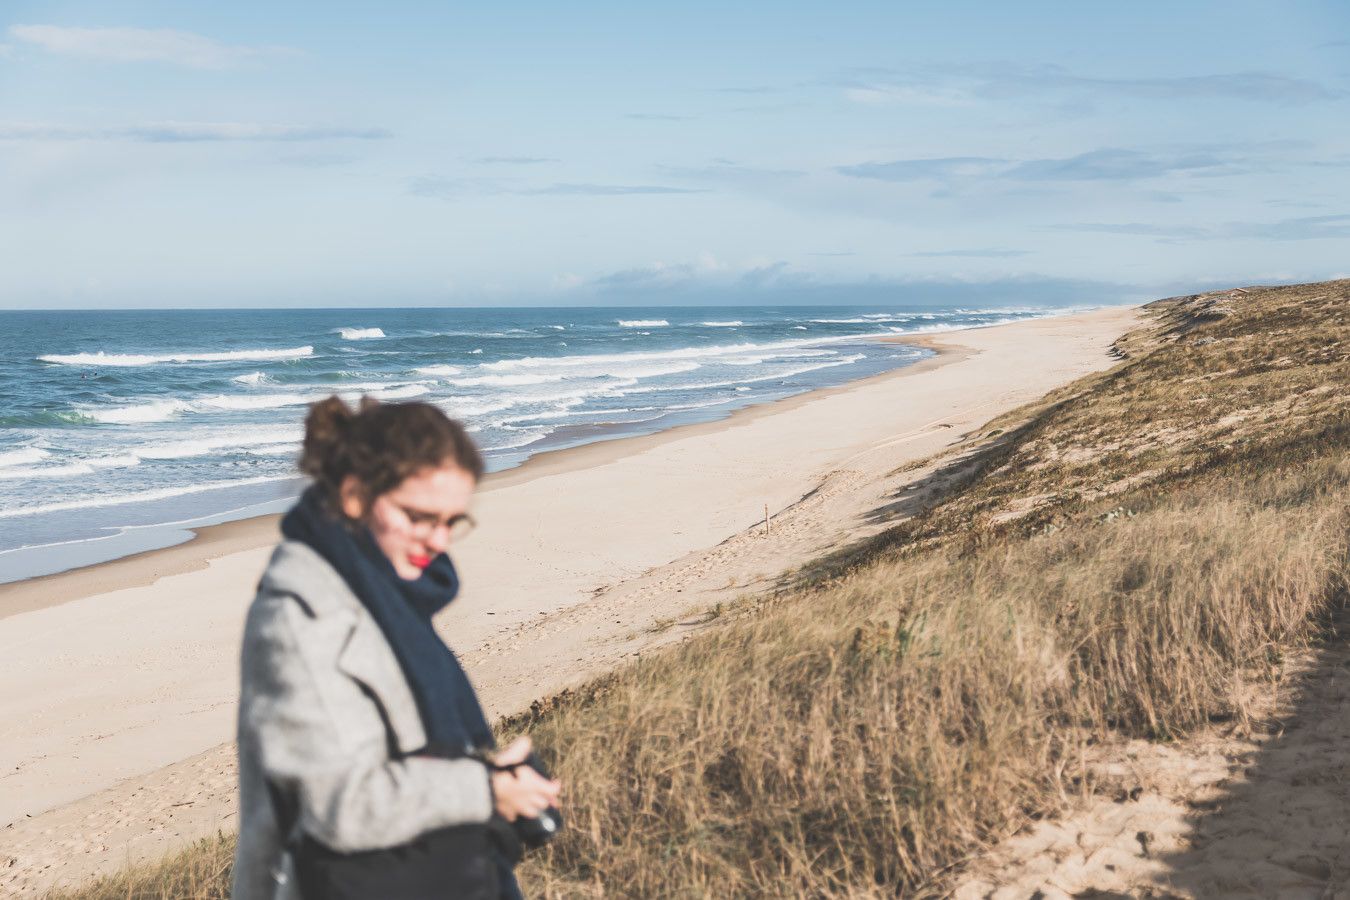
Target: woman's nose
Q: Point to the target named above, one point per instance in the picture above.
(438, 539)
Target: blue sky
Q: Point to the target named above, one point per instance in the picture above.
(334, 154)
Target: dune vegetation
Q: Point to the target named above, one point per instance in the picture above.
(1127, 558)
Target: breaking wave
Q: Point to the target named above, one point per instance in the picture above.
(144, 359)
(26, 456)
(359, 334)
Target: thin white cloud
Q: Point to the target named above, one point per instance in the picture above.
(134, 45)
(1306, 228)
(184, 132)
(611, 190)
(962, 84)
(444, 188)
(875, 94)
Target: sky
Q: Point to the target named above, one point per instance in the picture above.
(207, 154)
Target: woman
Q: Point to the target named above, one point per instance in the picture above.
(362, 766)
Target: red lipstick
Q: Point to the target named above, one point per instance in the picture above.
(420, 561)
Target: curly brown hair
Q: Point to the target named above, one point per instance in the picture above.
(381, 444)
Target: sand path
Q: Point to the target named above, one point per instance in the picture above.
(118, 706)
(1221, 814)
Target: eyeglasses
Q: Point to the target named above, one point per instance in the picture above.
(424, 524)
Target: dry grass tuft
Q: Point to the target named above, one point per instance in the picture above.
(201, 872)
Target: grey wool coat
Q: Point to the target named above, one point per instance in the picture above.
(322, 704)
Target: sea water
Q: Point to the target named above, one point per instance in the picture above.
(119, 429)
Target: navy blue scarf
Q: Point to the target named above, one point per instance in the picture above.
(451, 716)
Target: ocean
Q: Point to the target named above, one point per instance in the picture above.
(122, 429)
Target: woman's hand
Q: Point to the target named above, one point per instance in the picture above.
(521, 791)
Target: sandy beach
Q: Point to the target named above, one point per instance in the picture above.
(121, 679)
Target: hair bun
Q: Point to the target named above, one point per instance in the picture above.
(381, 444)
(327, 429)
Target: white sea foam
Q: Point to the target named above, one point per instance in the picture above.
(478, 406)
(643, 323)
(582, 362)
(359, 334)
(566, 412)
(799, 328)
(527, 436)
(557, 327)
(774, 376)
(597, 359)
(252, 378)
(273, 450)
(323, 390)
(955, 326)
(136, 496)
(875, 318)
(139, 413)
(26, 456)
(757, 358)
(400, 392)
(733, 324)
(605, 369)
(25, 472)
(460, 407)
(504, 380)
(655, 371)
(250, 401)
(144, 359)
(152, 411)
(859, 320)
(217, 443)
(704, 404)
(575, 395)
(121, 461)
(438, 371)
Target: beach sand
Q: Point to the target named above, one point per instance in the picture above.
(120, 680)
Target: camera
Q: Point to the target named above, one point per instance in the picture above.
(513, 838)
(541, 829)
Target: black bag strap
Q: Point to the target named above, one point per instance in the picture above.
(286, 812)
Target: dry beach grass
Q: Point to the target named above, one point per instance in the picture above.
(1121, 560)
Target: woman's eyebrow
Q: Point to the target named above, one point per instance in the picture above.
(422, 513)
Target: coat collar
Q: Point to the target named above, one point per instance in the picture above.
(299, 571)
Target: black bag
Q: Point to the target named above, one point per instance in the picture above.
(463, 861)
(456, 862)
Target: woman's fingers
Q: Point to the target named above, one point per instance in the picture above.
(515, 752)
(524, 792)
(541, 789)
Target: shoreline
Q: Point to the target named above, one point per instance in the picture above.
(123, 699)
(144, 567)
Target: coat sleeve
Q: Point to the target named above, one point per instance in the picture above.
(352, 796)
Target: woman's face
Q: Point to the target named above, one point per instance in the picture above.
(411, 523)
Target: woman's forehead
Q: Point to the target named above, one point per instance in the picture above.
(445, 485)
